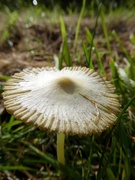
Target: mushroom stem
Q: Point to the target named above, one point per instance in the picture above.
(60, 148)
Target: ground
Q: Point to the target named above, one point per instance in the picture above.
(35, 44)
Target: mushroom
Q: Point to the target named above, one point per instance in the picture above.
(74, 100)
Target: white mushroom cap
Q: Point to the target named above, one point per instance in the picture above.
(74, 100)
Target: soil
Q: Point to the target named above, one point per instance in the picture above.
(36, 45)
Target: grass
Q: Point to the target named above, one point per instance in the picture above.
(27, 152)
(65, 52)
(9, 25)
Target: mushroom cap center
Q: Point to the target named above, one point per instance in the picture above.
(67, 85)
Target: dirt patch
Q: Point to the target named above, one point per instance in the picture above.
(36, 45)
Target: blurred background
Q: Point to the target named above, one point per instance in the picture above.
(66, 5)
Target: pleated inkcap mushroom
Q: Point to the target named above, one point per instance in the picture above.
(74, 100)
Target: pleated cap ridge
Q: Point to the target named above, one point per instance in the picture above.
(74, 100)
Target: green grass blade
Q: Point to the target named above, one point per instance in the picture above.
(91, 39)
(12, 122)
(87, 55)
(105, 31)
(87, 52)
(115, 76)
(131, 71)
(124, 109)
(90, 158)
(119, 163)
(127, 167)
(3, 77)
(63, 28)
(65, 52)
(64, 169)
(3, 168)
(121, 46)
(110, 174)
(79, 22)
